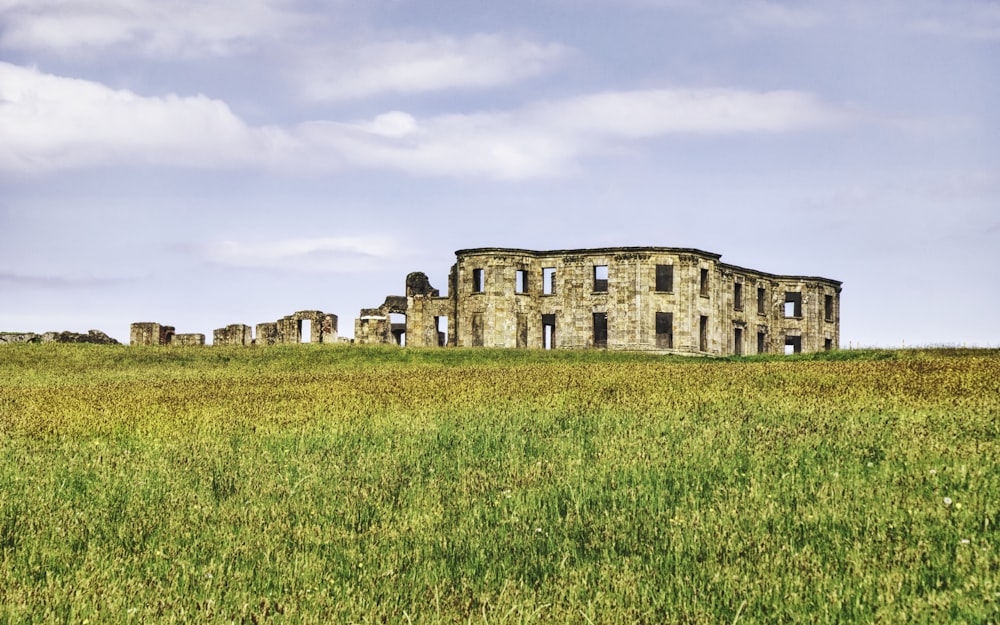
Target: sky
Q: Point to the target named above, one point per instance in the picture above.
(200, 163)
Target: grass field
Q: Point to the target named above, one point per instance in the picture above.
(349, 484)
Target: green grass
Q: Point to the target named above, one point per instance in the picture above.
(349, 484)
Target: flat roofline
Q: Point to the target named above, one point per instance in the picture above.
(592, 251)
(595, 251)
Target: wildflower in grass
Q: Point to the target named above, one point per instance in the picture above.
(947, 501)
(965, 541)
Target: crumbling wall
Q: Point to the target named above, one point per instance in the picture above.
(92, 336)
(187, 340)
(150, 333)
(234, 334)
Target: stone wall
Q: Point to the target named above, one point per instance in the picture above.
(650, 299)
(187, 340)
(234, 334)
(150, 333)
(92, 336)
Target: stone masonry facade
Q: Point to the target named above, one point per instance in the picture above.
(659, 299)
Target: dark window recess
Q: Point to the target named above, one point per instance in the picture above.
(761, 301)
(793, 344)
(600, 329)
(520, 281)
(737, 296)
(477, 280)
(665, 330)
(703, 334)
(828, 307)
(761, 343)
(477, 329)
(441, 326)
(600, 278)
(665, 278)
(738, 341)
(548, 331)
(704, 282)
(548, 281)
(793, 304)
(827, 344)
(522, 330)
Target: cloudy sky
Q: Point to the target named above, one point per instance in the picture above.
(207, 162)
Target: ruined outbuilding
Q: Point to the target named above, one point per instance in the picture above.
(660, 299)
(305, 326)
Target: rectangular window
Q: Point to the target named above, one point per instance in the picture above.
(738, 341)
(704, 282)
(827, 344)
(548, 281)
(441, 326)
(520, 281)
(665, 278)
(793, 304)
(600, 329)
(703, 334)
(665, 330)
(477, 281)
(600, 278)
(737, 296)
(548, 331)
(793, 345)
(828, 307)
(761, 300)
(761, 343)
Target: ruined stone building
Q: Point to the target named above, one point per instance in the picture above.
(660, 299)
(305, 326)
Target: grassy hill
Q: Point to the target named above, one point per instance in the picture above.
(362, 484)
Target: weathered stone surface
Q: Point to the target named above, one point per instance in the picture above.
(150, 333)
(632, 298)
(187, 340)
(234, 334)
(92, 336)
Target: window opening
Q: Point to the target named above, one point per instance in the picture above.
(520, 281)
(548, 280)
(600, 329)
(703, 334)
(827, 344)
(737, 296)
(665, 330)
(477, 280)
(441, 326)
(761, 344)
(793, 345)
(665, 278)
(548, 331)
(305, 331)
(793, 304)
(738, 341)
(397, 325)
(828, 307)
(600, 278)
(704, 282)
(761, 296)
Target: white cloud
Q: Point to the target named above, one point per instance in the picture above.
(49, 122)
(157, 28)
(479, 61)
(339, 254)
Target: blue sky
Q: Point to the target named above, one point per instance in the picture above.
(206, 163)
